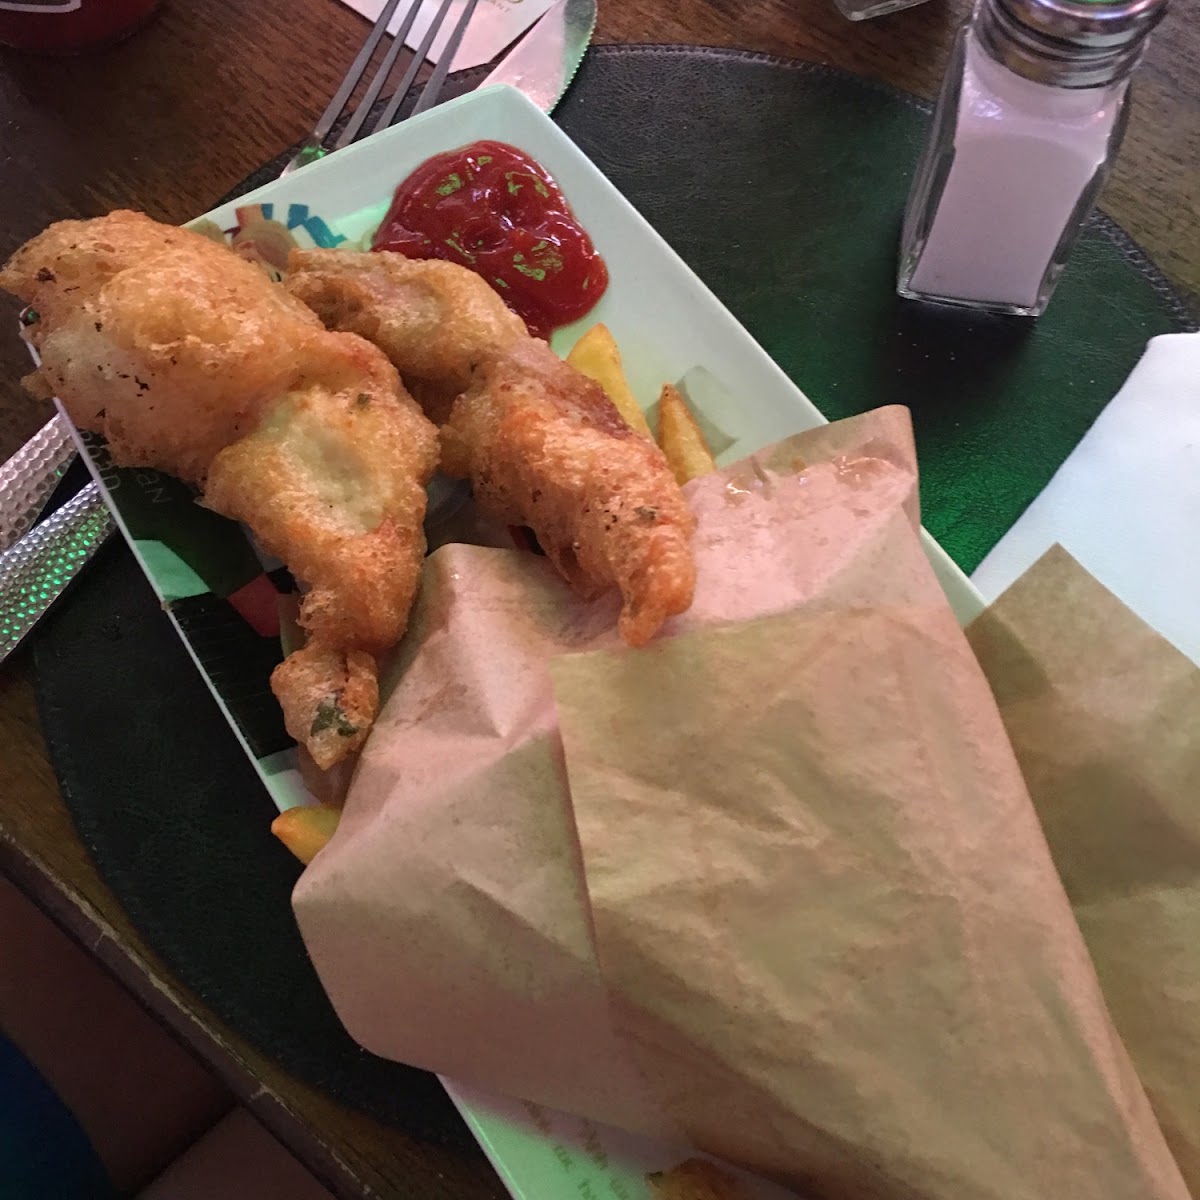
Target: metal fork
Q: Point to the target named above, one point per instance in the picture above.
(315, 146)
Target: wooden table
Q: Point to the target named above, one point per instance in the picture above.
(170, 121)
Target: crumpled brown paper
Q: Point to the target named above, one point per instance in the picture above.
(1105, 718)
(772, 884)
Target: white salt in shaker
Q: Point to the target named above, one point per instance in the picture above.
(1031, 114)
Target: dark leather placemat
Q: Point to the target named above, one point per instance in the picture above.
(782, 185)
(175, 816)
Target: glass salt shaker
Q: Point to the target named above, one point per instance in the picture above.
(860, 10)
(1030, 117)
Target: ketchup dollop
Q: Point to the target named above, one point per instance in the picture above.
(490, 207)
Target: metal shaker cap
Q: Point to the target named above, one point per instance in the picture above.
(1068, 43)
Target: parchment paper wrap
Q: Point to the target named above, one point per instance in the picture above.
(773, 884)
(1105, 717)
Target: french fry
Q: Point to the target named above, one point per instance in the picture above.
(596, 356)
(305, 829)
(681, 439)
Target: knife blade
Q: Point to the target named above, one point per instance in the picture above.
(546, 59)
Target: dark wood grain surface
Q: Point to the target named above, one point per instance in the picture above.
(172, 119)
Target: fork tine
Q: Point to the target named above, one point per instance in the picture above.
(334, 109)
(363, 111)
(389, 113)
(433, 89)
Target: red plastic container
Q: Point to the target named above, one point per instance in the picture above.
(70, 26)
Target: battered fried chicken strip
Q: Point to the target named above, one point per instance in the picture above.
(543, 446)
(188, 359)
(132, 316)
(434, 320)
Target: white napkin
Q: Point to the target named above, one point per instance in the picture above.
(1126, 503)
(495, 25)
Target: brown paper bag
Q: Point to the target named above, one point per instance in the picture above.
(772, 884)
(1104, 716)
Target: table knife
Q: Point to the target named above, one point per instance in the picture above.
(544, 62)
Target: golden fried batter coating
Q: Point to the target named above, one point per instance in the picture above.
(159, 339)
(68, 263)
(189, 359)
(433, 319)
(332, 696)
(543, 446)
(546, 448)
(317, 481)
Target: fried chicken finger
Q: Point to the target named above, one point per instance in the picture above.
(188, 359)
(542, 445)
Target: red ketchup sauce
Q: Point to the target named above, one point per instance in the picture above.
(490, 207)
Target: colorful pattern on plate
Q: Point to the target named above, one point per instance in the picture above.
(221, 593)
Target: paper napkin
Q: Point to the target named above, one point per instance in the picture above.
(1126, 503)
